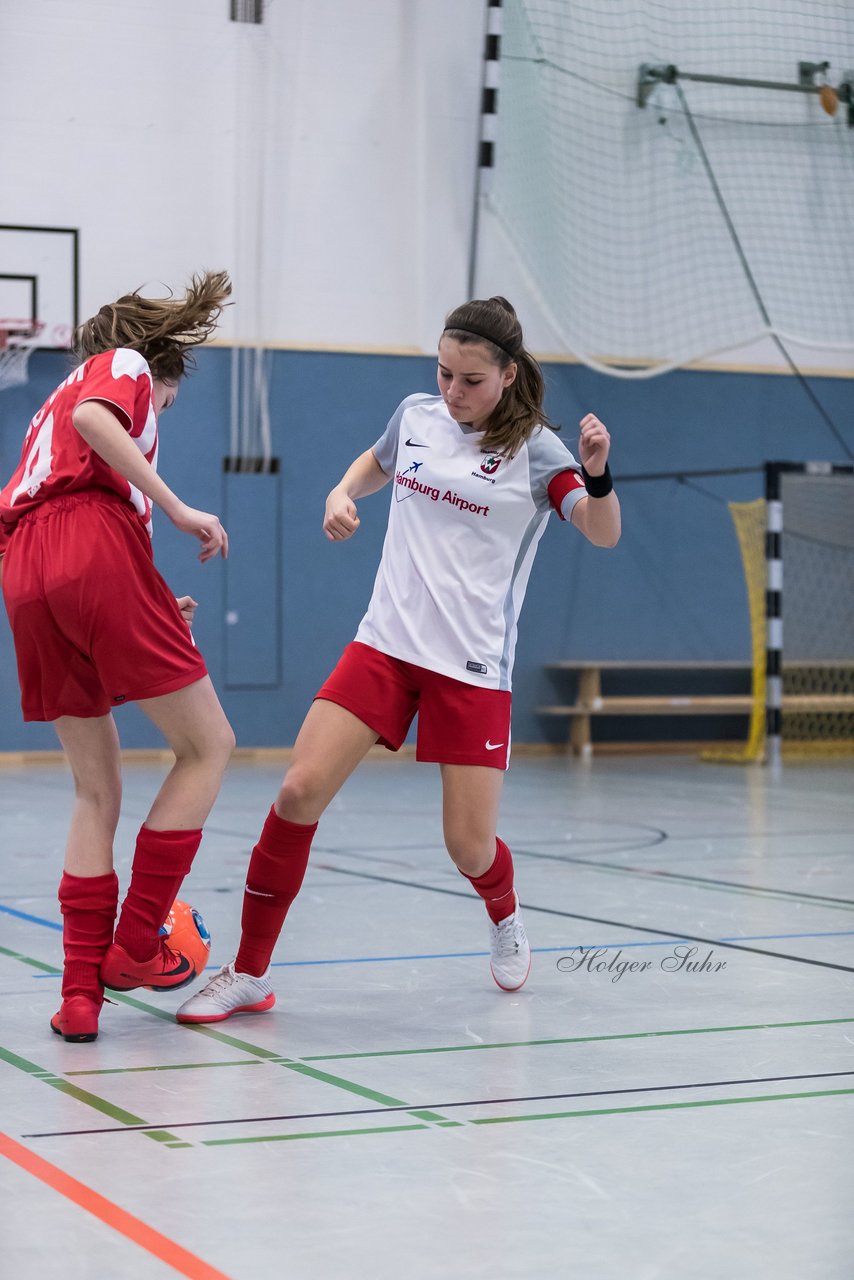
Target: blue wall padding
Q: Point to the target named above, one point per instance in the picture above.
(673, 588)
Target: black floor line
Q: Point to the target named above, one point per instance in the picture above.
(441, 1106)
(676, 934)
(680, 876)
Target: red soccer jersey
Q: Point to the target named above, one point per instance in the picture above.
(56, 459)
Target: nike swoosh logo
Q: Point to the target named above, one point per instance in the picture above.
(493, 746)
(416, 444)
(183, 967)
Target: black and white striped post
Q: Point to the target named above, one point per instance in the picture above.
(773, 613)
(488, 120)
(775, 561)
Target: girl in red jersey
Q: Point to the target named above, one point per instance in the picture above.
(474, 474)
(95, 626)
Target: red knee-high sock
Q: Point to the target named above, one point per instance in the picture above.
(160, 863)
(495, 886)
(276, 871)
(88, 905)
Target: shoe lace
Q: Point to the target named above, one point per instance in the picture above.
(220, 982)
(170, 956)
(507, 937)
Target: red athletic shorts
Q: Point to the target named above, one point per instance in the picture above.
(94, 624)
(458, 723)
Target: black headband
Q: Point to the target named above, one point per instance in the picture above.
(476, 333)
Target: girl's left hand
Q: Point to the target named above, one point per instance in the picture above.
(594, 445)
(188, 607)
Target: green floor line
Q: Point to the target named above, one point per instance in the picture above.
(665, 1106)
(301, 1066)
(536, 1044)
(234, 1043)
(360, 1090)
(549, 1115)
(81, 1095)
(122, 997)
(168, 1066)
(328, 1133)
(221, 1037)
(28, 960)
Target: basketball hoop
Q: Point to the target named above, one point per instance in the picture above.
(18, 340)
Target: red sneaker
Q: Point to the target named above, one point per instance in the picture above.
(77, 1020)
(167, 969)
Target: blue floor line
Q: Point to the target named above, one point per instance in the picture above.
(23, 915)
(463, 955)
(460, 955)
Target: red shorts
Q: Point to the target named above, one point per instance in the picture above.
(94, 624)
(458, 723)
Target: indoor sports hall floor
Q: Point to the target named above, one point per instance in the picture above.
(397, 1116)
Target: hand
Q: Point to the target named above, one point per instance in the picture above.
(188, 607)
(205, 527)
(340, 520)
(594, 445)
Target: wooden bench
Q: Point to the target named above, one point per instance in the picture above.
(590, 700)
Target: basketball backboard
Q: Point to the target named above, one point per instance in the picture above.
(39, 280)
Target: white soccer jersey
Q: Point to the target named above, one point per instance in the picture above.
(462, 534)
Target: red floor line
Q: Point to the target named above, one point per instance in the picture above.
(181, 1260)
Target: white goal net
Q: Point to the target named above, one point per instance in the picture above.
(611, 208)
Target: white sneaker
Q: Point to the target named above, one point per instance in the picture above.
(228, 992)
(511, 953)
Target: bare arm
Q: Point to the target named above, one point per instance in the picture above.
(103, 432)
(362, 477)
(597, 518)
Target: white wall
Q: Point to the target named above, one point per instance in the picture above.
(326, 157)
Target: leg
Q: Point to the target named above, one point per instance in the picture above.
(471, 796)
(329, 746)
(92, 750)
(88, 891)
(193, 723)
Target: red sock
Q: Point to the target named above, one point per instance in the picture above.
(160, 863)
(88, 905)
(276, 871)
(495, 886)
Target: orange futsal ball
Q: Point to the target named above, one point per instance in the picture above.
(829, 99)
(185, 931)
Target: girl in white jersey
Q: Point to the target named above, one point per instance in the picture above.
(475, 472)
(95, 625)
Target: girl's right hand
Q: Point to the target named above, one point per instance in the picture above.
(340, 520)
(204, 526)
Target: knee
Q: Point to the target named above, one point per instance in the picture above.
(300, 796)
(101, 791)
(226, 741)
(471, 852)
(214, 747)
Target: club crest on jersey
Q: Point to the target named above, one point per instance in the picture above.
(490, 464)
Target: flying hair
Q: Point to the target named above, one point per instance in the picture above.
(163, 330)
